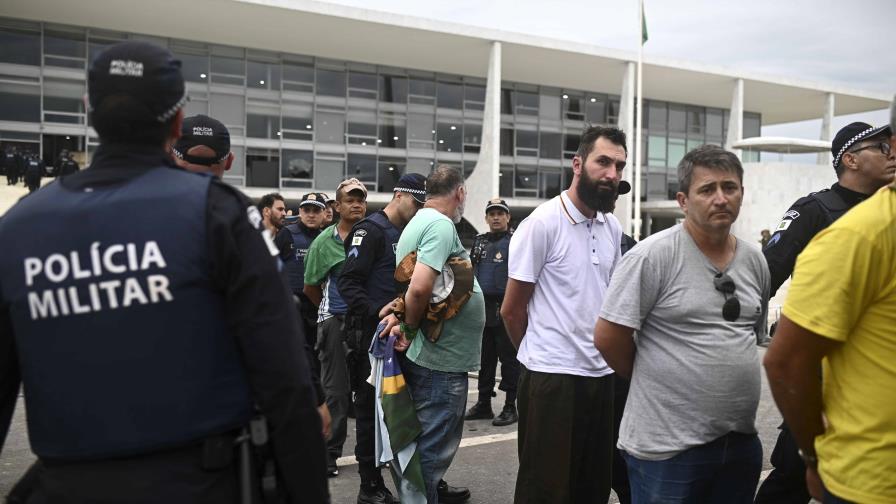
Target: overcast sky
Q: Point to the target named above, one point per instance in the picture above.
(851, 43)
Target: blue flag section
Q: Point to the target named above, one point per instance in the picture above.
(397, 427)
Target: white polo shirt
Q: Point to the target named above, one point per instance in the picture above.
(569, 258)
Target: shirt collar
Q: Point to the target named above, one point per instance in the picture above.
(573, 214)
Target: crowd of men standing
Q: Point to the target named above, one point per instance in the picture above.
(627, 367)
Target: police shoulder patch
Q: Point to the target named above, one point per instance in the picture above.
(791, 214)
(254, 217)
(784, 224)
(356, 240)
(360, 232)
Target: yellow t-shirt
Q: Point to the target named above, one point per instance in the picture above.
(844, 288)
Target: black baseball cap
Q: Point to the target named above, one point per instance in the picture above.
(497, 203)
(413, 184)
(203, 130)
(314, 199)
(145, 72)
(852, 134)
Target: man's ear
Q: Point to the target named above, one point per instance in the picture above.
(682, 200)
(228, 162)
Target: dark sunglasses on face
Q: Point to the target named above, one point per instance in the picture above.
(883, 147)
(724, 284)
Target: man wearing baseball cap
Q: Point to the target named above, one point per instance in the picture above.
(489, 255)
(864, 163)
(143, 348)
(203, 146)
(367, 284)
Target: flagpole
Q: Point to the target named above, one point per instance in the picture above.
(636, 231)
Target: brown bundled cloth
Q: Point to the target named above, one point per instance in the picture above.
(452, 289)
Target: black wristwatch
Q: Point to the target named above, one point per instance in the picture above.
(810, 460)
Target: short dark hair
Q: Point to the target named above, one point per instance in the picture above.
(711, 157)
(267, 201)
(121, 118)
(592, 133)
(443, 180)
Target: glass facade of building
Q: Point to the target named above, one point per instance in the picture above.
(301, 122)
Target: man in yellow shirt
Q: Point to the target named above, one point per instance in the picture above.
(840, 315)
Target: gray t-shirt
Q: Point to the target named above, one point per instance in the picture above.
(696, 375)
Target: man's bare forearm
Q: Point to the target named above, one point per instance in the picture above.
(516, 325)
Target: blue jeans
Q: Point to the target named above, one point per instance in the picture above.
(723, 471)
(440, 399)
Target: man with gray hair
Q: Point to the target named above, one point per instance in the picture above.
(442, 315)
(698, 297)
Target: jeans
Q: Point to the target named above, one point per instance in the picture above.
(440, 399)
(723, 471)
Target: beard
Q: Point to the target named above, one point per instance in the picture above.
(597, 195)
(458, 213)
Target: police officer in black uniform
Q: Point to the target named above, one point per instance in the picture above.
(863, 163)
(34, 171)
(367, 284)
(489, 257)
(143, 347)
(68, 166)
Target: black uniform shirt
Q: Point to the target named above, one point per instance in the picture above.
(257, 309)
(283, 241)
(805, 218)
(358, 267)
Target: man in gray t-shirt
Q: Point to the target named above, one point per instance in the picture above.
(698, 298)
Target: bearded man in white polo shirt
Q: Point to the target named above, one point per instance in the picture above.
(561, 259)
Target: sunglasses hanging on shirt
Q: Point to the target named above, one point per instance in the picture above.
(724, 284)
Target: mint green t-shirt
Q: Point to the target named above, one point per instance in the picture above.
(433, 236)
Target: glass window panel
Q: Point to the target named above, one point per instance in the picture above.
(656, 116)
(64, 96)
(363, 167)
(296, 168)
(695, 120)
(421, 128)
(362, 127)
(263, 126)
(525, 181)
(362, 85)
(65, 44)
(573, 107)
(96, 46)
(19, 102)
(262, 75)
(505, 181)
(549, 106)
(612, 111)
(506, 141)
(549, 146)
(262, 168)
(474, 97)
(298, 77)
(450, 95)
(328, 173)
(752, 125)
(422, 87)
(393, 89)
(677, 119)
(570, 145)
(392, 131)
(506, 101)
(196, 107)
(549, 183)
(330, 128)
(676, 151)
(472, 137)
(450, 135)
(526, 143)
(656, 150)
(595, 110)
(20, 47)
(229, 66)
(526, 103)
(297, 121)
(714, 123)
(389, 171)
(422, 166)
(239, 160)
(693, 144)
(229, 109)
(330, 82)
(194, 68)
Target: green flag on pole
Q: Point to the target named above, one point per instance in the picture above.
(643, 24)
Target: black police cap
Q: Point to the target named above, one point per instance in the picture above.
(203, 130)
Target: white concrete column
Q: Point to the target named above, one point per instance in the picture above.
(626, 123)
(736, 117)
(484, 182)
(827, 127)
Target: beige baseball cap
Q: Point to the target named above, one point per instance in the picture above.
(352, 184)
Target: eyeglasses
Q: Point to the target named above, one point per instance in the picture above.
(724, 284)
(883, 147)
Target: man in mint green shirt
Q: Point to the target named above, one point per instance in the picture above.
(436, 372)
